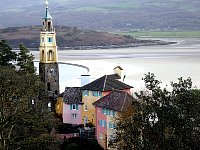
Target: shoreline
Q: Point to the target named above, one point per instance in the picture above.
(147, 42)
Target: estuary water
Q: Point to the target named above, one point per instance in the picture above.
(167, 62)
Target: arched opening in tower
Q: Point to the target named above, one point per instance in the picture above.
(50, 58)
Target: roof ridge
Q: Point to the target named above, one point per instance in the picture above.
(104, 84)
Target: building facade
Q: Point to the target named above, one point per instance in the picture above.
(72, 105)
(107, 109)
(97, 89)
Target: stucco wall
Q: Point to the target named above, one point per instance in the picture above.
(90, 113)
(99, 129)
(67, 114)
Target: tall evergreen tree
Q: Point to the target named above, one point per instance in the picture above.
(162, 119)
(24, 123)
(25, 60)
(6, 54)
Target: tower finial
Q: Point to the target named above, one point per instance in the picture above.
(46, 2)
(47, 14)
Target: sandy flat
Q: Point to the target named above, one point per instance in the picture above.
(167, 62)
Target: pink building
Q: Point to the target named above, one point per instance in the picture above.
(107, 108)
(72, 105)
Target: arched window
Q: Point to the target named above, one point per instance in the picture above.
(42, 55)
(48, 87)
(56, 92)
(50, 58)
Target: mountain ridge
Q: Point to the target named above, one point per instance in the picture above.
(105, 14)
(72, 38)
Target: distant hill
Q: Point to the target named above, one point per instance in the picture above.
(71, 38)
(105, 14)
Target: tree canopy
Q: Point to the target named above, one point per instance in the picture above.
(6, 54)
(23, 121)
(25, 60)
(25, 124)
(164, 119)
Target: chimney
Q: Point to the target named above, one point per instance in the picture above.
(118, 70)
(85, 79)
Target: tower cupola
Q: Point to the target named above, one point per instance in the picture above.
(47, 22)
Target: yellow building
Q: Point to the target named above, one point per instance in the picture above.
(95, 90)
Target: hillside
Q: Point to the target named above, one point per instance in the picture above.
(105, 14)
(71, 38)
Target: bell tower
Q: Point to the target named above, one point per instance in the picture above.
(48, 65)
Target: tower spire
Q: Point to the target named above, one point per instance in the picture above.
(46, 2)
(47, 14)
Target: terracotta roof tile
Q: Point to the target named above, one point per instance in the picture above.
(106, 83)
(72, 95)
(116, 100)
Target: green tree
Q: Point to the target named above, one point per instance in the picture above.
(24, 123)
(25, 60)
(162, 119)
(6, 54)
(80, 144)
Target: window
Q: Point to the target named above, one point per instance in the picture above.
(42, 39)
(99, 94)
(56, 91)
(111, 138)
(112, 113)
(48, 87)
(49, 26)
(42, 55)
(49, 106)
(94, 93)
(50, 55)
(104, 111)
(101, 136)
(102, 123)
(85, 108)
(107, 112)
(112, 125)
(73, 106)
(50, 40)
(33, 102)
(74, 116)
(85, 93)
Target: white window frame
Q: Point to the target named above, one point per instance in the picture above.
(74, 116)
(101, 136)
(85, 108)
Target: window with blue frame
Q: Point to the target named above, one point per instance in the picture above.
(112, 113)
(94, 93)
(111, 125)
(73, 106)
(104, 111)
(85, 93)
(99, 94)
(102, 123)
(50, 39)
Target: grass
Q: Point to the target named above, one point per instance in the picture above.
(160, 34)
